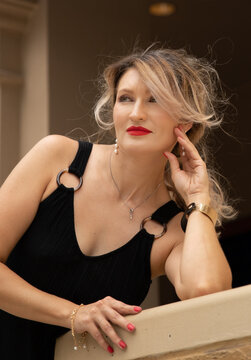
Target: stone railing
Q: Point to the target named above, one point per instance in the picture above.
(215, 326)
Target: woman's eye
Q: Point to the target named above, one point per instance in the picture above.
(152, 99)
(124, 98)
(127, 98)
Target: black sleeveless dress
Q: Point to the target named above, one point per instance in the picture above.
(49, 258)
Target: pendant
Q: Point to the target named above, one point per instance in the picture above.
(131, 210)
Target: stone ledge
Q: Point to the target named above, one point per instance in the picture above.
(192, 328)
(239, 349)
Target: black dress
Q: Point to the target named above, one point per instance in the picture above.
(49, 258)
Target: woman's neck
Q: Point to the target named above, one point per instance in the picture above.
(137, 176)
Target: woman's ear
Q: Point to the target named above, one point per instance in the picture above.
(186, 127)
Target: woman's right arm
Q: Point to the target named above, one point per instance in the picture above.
(20, 196)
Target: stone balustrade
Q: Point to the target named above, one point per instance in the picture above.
(215, 326)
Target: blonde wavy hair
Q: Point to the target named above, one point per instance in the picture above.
(189, 89)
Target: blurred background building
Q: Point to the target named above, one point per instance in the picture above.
(52, 52)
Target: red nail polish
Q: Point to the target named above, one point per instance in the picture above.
(122, 344)
(130, 327)
(137, 308)
(110, 349)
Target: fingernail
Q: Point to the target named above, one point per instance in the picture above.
(122, 344)
(110, 349)
(130, 327)
(137, 308)
(165, 155)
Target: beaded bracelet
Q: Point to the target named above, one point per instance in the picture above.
(82, 341)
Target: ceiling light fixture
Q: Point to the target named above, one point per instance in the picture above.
(162, 9)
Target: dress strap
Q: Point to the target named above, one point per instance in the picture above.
(163, 215)
(166, 212)
(78, 165)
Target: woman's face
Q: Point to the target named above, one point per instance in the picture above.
(141, 124)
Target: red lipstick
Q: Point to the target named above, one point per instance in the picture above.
(138, 130)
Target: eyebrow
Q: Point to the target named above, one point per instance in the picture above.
(125, 90)
(129, 90)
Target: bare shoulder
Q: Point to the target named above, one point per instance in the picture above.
(58, 153)
(55, 147)
(163, 246)
(40, 162)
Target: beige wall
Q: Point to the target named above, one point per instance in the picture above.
(9, 123)
(81, 39)
(34, 121)
(12, 23)
(17, 79)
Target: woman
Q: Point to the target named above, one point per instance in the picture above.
(100, 239)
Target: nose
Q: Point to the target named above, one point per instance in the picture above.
(138, 112)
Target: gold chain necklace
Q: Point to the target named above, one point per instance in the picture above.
(131, 210)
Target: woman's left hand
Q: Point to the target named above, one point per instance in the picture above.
(192, 180)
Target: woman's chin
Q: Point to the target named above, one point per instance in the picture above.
(141, 149)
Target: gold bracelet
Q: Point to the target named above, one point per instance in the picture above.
(205, 209)
(208, 211)
(82, 342)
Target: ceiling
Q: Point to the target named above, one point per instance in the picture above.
(223, 26)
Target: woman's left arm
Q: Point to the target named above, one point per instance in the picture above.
(196, 266)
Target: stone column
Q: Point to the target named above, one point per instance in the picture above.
(14, 17)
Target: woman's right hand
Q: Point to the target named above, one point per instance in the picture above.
(99, 315)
